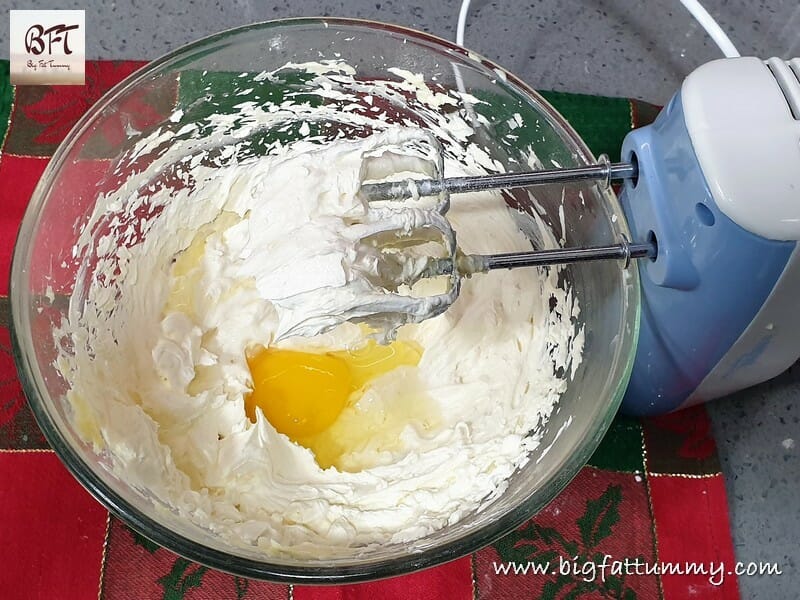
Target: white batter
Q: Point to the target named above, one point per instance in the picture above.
(158, 373)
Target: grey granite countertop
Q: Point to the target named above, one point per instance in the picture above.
(607, 47)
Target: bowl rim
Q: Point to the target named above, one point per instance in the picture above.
(471, 541)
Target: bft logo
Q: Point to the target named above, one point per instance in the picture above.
(48, 47)
(37, 35)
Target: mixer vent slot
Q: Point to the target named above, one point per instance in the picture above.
(787, 74)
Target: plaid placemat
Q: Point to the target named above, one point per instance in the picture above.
(652, 495)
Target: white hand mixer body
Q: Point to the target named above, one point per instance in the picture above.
(719, 192)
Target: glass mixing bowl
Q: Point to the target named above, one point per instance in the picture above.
(45, 274)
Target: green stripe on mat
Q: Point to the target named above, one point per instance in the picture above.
(621, 448)
(6, 97)
(195, 86)
(602, 122)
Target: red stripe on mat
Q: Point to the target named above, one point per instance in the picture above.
(692, 531)
(51, 541)
(19, 175)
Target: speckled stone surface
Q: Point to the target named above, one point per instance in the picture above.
(608, 47)
(758, 432)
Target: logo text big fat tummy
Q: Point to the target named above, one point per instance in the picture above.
(47, 47)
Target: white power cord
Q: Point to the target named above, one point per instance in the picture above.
(712, 28)
(697, 10)
(462, 22)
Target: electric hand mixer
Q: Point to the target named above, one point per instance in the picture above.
(712, 194)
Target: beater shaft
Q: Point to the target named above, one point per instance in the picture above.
(623, 251)
(469, 264)
(398, 190)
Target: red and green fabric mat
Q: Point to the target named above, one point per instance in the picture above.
(653, 491)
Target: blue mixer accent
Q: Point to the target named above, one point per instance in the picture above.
(711, 276)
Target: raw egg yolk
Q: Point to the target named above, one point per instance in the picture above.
(303, 393)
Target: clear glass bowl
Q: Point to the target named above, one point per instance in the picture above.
(44, 274)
